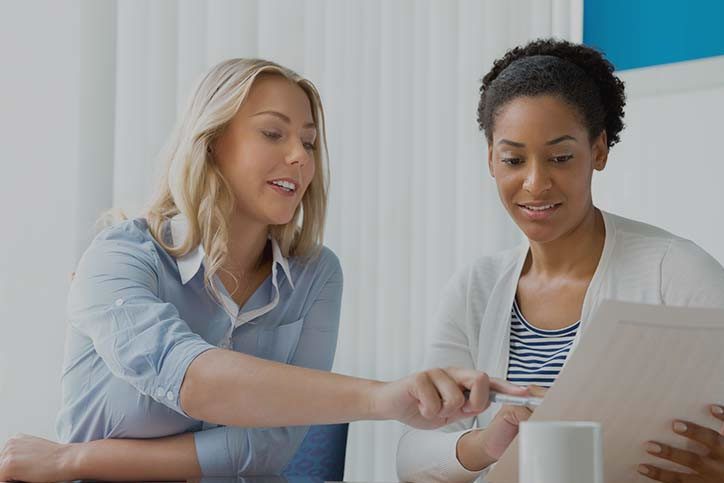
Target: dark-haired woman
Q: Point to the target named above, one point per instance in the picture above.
(550, 111)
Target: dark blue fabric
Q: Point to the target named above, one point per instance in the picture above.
(321, 454)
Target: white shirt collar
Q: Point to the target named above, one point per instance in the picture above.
(189, 264)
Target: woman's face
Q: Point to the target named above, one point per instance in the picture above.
(542, 160)
(266, 153)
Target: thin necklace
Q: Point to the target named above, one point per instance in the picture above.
(244, 275)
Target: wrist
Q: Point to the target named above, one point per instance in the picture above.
(374, 407)
(470, 451)
(70, 457)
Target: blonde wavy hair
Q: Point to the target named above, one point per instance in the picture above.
(192, 184)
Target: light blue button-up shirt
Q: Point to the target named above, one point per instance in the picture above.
(138, 317)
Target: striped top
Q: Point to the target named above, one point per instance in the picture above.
(537, 355)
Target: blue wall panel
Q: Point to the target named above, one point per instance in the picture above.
(640, 33)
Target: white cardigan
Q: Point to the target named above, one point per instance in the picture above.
(639, 263)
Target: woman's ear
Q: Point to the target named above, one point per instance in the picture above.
(600, 151)
(216, 140)
(490, 161)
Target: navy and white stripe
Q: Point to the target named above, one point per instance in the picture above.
(537, 355)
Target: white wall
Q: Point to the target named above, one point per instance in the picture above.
(668, 169)
(56, 132)
(39, 138)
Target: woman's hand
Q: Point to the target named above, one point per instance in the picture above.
(707, 468)
(435, 398)
(504, 426)
(479, 449)
(27, 458)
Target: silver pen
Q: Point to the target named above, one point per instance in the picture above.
(499, 397)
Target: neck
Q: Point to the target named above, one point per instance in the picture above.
(247, 243)
(576, 253)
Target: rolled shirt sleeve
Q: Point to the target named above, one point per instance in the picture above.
(234, 451)
(114, 300)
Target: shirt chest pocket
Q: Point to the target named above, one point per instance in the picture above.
(279, 343)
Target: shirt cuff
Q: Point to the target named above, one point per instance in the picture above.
(212, 452)
(169, 394)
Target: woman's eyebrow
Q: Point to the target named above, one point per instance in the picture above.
(557, 140)
(565, 137)
(511, 143)
(283, 117)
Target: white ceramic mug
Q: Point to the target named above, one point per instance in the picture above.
(560, 452)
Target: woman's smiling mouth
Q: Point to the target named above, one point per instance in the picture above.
(538, 210)
(284, 186)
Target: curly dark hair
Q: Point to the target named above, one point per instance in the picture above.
(580, 75)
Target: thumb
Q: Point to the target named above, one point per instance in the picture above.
(537, 391)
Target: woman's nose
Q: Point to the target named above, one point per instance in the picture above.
(537, 179)
(297, 154)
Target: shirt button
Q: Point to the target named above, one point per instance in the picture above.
(169, 396)
(159, 392)
(119, 302)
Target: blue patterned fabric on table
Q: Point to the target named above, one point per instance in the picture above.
(321, 453)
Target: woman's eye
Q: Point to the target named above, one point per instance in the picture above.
(309, 146)
(512, 161)
(271, 135)
(563, 159)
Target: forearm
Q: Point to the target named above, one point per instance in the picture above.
(226, 451)
(471, 451)
(162, 459)
(219, 382)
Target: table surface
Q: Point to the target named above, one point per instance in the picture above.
(254, 479)
(266, 479)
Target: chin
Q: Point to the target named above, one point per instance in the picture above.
(538, 237)
(280, 219)
(539, 233)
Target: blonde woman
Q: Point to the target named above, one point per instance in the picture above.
(215, 315)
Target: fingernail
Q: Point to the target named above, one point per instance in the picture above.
(469, 409)
(717, 410)
(653, 448)
(679, 427)
(643, 469)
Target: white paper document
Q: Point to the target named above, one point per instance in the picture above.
(636, 369)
